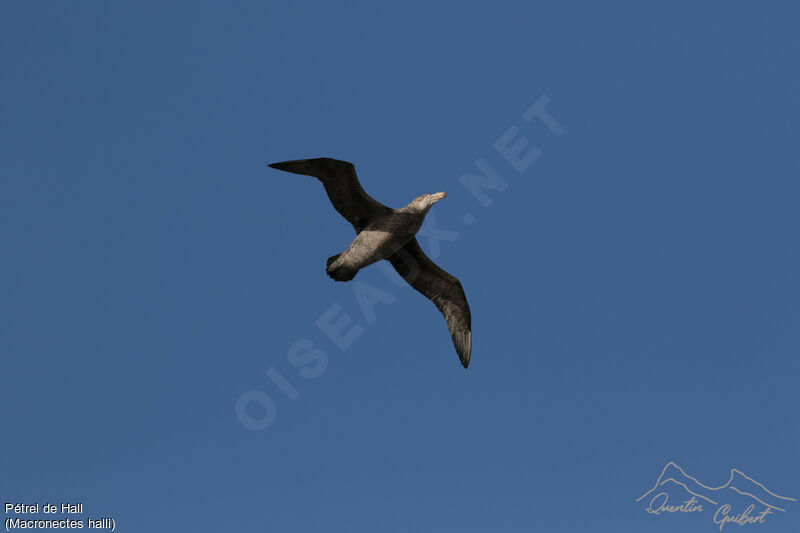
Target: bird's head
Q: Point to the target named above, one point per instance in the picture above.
(422, 204)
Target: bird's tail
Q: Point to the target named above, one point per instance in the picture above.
(339, 271)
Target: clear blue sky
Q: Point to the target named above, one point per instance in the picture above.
(634, 291)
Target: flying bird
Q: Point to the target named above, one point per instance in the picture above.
(386, 233)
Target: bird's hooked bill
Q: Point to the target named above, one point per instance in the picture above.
(438, 196)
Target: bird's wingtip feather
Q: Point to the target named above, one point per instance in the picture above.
(463, 342)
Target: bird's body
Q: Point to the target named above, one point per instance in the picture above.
(379, 240)
(369, 246)
(385, 233)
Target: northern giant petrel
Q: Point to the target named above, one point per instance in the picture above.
(386, 233)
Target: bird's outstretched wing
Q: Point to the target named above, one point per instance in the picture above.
(442, 289)
(341, 184)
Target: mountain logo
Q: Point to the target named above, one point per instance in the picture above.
(741, 500)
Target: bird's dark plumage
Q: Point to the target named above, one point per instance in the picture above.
(385, 233)
(442, 289)
(341, 184)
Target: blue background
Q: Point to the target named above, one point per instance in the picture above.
(634, 292)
